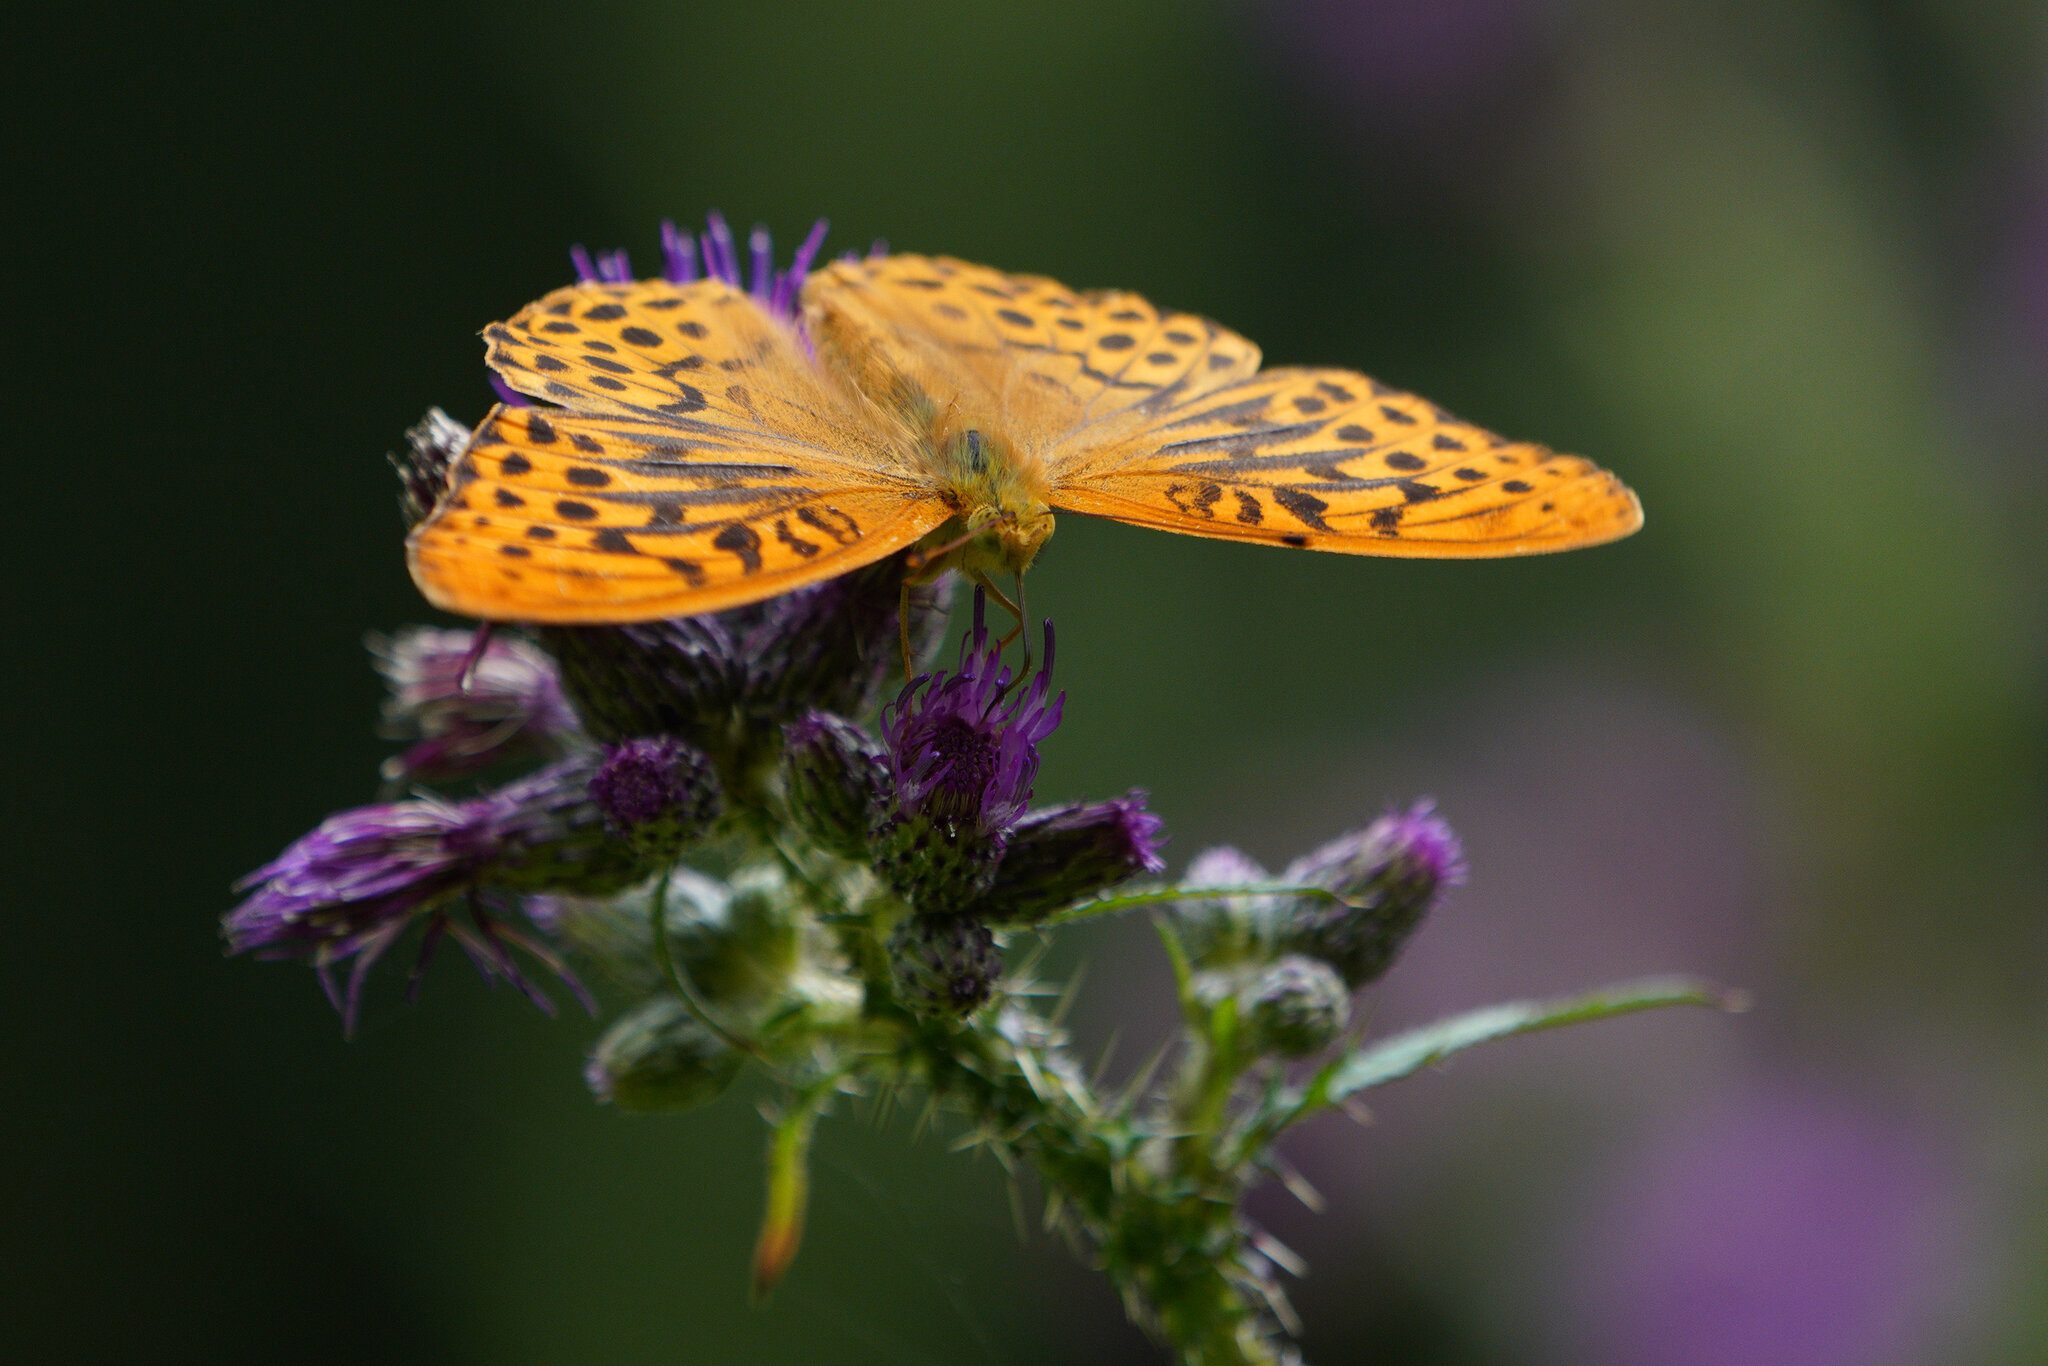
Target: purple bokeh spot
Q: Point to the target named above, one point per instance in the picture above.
(1784, 1229)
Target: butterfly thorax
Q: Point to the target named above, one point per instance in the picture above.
(998, 496)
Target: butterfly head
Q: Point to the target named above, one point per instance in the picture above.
(1001, 500)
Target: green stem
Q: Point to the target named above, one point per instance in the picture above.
(1160, 896)
(664, 959)
(1173, 1247)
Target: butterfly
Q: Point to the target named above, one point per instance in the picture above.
(694, 448)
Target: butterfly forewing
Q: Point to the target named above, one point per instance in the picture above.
(698, 460)
(1050, 358)
(1333, 460)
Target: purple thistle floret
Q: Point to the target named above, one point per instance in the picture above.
(1389, 876)
(1059, 855)
(348, 891)
(657, 792)
(963, 746)
(465, 708)
(1415, 846)
(776, 290)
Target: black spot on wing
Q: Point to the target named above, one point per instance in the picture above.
(743, 541)
(802, 547)
(1305, 507)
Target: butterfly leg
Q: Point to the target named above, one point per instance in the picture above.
(1015, 609)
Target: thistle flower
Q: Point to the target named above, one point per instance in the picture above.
(659, 794)
(776, 290)
(831, 648)
(348, 891)
(837, 647)
(1390, 873)
(678, 677)
(1062, 854)
(962, 751)
(509, 706)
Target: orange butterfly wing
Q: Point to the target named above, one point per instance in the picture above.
(1043, 360)
(697, 461)
(1163, 419)
(1333, 460)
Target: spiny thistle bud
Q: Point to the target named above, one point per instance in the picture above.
(1296, 1006)
(837, 646)
(467, 708)
(679, 677)
(658, 793)
(349, 890)
(834, 777)
(1222, 930)
(658, 1058)
(431, 445)
(1058, 856)
(962, 751)
(944, 966)
(1391, 873)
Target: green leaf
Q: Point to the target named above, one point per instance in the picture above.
(1156, 896)
(1405, 1054)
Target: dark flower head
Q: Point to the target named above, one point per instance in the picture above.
(944, 966)
(963, 746)
(1063, 854)
(510, 706)
(431, 445)
(658, 792)
(834, 778)
(836, 646)
(1389, 875)
(348, 891)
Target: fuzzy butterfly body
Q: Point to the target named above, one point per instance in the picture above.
(691, 450)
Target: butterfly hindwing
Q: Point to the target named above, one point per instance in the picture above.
(574, 517)
(1333, 460)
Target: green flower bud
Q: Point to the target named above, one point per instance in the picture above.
(1296, 1006)
(945, 966)
(934, 862)
(657, 1058)
(835, 777)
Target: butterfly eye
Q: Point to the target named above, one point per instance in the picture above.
(977, 454)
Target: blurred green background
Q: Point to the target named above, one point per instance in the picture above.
(1784, 265)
